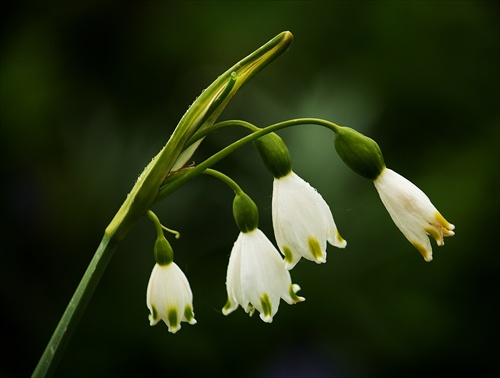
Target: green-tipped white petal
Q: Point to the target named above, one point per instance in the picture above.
(412, 211)
(257, 278)
(169, 297)
(302, 220)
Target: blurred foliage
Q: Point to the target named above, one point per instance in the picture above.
(90, 91)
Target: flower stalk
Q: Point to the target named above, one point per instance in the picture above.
(201, 115)
(74, 311)
(257, 275)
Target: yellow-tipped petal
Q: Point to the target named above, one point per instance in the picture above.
(426, 254)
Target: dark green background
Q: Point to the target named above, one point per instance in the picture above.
(90, 91)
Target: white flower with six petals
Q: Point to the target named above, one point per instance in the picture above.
(169, 297)
(257, 278)
(412, 211)
(302, 221)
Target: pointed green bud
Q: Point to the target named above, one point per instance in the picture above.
(359, 152)
(245, 213)
(164, 254)
(275, 155)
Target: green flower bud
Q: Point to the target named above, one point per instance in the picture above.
(164, 254)
(245, 213)
(275, 155)
(359, 152)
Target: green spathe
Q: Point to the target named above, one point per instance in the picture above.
(201, 114)
(274, 154)
(360, 153)
(245, 213)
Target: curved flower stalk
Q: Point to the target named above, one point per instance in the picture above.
(256, 277)
(302, 220)
(412, 212)
(409, 207)
(169, 297)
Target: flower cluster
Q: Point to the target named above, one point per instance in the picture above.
(258, 276)
(258, 273)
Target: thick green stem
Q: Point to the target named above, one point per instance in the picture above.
(201, 114)
(67, 325)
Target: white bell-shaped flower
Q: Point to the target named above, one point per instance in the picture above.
(412, 211)
(257, 278)
(169, 297)
(302, 221)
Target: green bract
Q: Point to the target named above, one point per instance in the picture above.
(201, 115)
(257, 277)
(360, 153)
(274, 154)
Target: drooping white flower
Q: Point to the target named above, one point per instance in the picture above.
(412, 211)
(302, 221)
(169, 297)
(257, 278)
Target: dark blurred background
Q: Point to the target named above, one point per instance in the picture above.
(90, 91)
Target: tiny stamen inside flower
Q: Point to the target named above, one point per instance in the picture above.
(250, 309)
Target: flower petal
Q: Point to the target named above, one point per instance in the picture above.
(169, 297)
(257, 278)
(412, 212)
(303, 222)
